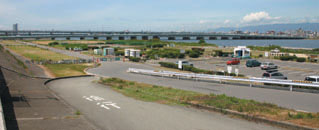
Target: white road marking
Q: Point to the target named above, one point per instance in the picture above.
(101, 103)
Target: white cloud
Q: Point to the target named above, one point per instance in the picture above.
(226, 21)
(203, 21)
(258, 17)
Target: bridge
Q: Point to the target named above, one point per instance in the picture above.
(111, 35)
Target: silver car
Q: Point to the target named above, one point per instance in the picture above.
(274, 75)
(268, 65)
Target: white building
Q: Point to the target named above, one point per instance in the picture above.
(132, 53)
(242, 52)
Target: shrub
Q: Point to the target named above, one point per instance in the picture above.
(169, 65)
(134, 59)
(201, 41)
(53, 43)
(286, 58)
(194, 54)
(300, 59)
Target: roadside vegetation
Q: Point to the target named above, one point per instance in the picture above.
(63, 70)
(172, 96)
(195, 70)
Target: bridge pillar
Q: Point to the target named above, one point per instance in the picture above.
(230, 38)
(144, 37)
(139, 38)
(89, 38)
(127, 38)
(152, 37)
(101, 38)
(206, 38)
(115, 38)
(75, 38)
(163, 38)
(178, 38)
(219, 38)
(192, 38)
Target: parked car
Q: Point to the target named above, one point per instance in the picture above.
(233, 61)
(252, 63)
(313, 79)
(186, 63)
(274, 75)
(268, 65)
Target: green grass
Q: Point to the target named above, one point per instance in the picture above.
(168, 95)
(39, 54)
(62, 70)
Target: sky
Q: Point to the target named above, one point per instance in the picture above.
(152, 15)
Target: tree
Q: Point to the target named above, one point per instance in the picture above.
(201, 41)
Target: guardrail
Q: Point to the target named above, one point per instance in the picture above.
(221, 79)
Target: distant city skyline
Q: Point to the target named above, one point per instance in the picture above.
(146, 15)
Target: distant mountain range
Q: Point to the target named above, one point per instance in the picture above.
(268, 27)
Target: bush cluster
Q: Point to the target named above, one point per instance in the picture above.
(134, 59)
(164, 53)
(287, 58)
(53, 43)
(194, 69)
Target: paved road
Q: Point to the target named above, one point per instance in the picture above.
(294, 100)
(123, 113)
(65, 52)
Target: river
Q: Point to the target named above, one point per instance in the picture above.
(283, 43)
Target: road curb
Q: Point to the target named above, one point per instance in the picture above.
(254, 118)
(67, 77)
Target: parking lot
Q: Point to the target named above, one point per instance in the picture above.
(293, 70)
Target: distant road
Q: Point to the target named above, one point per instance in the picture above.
(293, 100)
(65, 52)
(111, 110)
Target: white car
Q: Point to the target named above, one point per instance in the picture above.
(268, 65)
(313, 79)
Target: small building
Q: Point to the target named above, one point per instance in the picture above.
(276, 52)
(108, 51)
(242, 52)
(97, 51)
(132, 53)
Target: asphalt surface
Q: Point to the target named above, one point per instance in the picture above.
(294, 100)
(108, 109)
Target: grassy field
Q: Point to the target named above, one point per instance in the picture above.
(38, 54)
(46, 42)
(10, 42)
(62, 70)
(168, 95)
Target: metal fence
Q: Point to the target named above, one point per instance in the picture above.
(250, 80)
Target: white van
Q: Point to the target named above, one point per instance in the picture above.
(313, 79)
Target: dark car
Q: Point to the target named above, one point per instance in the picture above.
(252, 63)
